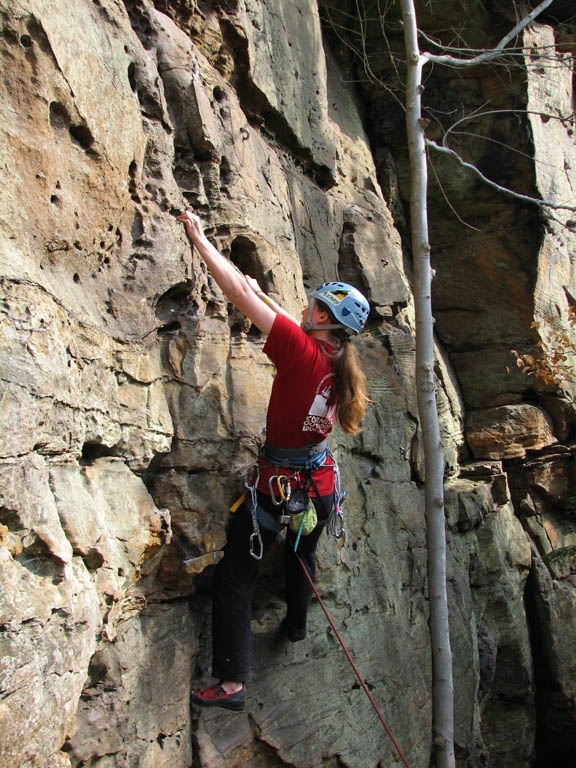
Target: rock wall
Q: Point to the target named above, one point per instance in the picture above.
(133, 395)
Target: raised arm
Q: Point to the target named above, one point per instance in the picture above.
(230, 280)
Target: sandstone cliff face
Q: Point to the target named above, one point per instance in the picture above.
(132, 394)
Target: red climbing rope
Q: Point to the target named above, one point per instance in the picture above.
(352, 664)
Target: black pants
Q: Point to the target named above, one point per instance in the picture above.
(235, 578)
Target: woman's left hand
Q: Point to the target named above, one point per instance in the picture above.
(253, 284)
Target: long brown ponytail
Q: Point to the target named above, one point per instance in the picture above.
(350, 386)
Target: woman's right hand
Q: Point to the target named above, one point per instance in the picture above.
(193, 225)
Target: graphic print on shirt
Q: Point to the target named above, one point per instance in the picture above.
(321, 415)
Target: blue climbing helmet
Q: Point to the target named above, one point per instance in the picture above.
(348, 306)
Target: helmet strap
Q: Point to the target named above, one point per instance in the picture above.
(308, 326)
(332, 327)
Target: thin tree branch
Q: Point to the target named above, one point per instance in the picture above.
(494, 52)
(516, 50)
(360, 54)
(494, 185)
(445, 196)
(476, 114)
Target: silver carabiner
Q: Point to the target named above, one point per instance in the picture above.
(256, 535)
(338, 529)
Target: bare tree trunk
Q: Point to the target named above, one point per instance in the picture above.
(442, 694)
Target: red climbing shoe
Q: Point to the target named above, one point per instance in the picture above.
(216, 696)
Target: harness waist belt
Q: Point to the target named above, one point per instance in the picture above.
(306, 452)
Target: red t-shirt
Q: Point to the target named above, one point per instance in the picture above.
(302, 405)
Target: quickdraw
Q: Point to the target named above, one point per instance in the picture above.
(255, 536)
(336, 520)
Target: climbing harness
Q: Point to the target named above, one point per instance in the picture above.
(297, 509)
(352, 664)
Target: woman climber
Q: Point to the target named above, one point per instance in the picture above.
(318, 378)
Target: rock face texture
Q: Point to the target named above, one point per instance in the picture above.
(132, 394)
